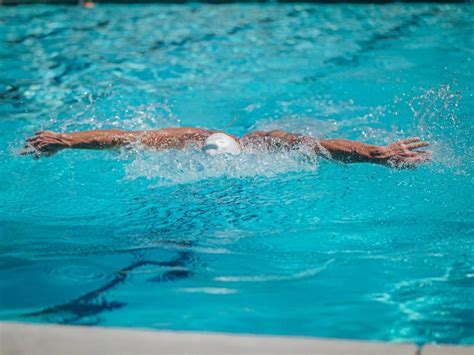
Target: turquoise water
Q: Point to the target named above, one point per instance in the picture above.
(251, 244)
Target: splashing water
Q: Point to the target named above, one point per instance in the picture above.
(176, 167)
(435, 112)
(436, 109)
(258, 243)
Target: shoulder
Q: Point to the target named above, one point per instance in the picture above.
(179, 131)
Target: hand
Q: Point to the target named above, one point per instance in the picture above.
(44, 143)
(402, 154)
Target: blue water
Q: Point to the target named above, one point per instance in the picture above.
(259, 243)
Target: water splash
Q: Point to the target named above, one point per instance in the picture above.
(435, 114)
(174, 167)
(121, 114)
(436, 108)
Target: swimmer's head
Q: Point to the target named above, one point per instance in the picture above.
(221, 143)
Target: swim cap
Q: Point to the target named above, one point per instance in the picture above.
(221, 143)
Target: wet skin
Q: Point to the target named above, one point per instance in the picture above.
(401, 154)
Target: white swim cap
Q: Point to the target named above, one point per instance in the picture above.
(221, 143)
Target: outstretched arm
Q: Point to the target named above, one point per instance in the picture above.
(400, 154)
(47, 142)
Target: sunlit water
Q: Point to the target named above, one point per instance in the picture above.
(257, 243)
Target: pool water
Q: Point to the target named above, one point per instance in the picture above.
(259, 243)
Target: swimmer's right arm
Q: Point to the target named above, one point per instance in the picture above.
(46, 143)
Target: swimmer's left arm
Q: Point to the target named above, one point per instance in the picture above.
(400, 154)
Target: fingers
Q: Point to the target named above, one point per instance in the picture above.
(36, 138)
(425, 153)
(409, 143)
(412, 146)
(41, 154)
(45, 147)
(409, 140)
(410, 160)
(42, 143)
(420, 158)
(409, 153)
(42, 139)
(32, 143)
(27, 149)
(39, 133)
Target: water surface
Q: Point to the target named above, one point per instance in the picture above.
(257, 243)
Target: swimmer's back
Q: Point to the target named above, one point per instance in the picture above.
(176, 137)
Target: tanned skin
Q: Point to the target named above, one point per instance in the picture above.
(400, 154)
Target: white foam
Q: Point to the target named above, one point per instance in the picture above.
(209, 290)
(262, 278)
(172, 167)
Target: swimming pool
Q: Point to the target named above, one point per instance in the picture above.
(263, 244)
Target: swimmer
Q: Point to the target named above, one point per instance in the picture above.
(401, 154)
